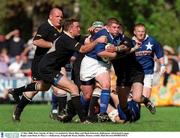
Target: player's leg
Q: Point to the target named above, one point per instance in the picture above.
(148, 82)
(94, 105)
(104, 80)
(24, 101)
(59, 103)
(63, 82)
(27, 98)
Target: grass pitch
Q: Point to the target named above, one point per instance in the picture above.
(36, 118)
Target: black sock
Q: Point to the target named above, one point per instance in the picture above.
(79, 108)
(144, 100)
(70, 109)
(62, 103)
(25, 88)
(94, 106)
(23, 102)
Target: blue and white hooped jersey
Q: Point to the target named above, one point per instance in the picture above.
(101, 46)
(145, 54)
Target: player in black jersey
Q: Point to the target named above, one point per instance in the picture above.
(59, 55)
(46, 34)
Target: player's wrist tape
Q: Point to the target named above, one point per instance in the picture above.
(118, 49)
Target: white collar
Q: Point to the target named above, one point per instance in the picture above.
(67, 33)
(134, 37)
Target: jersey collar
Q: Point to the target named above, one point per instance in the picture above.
(59, 30)
(68, 34)
(146, 37)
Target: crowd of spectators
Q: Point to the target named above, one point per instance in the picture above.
(15, 55)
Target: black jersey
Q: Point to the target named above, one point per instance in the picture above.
(47, 32)
(126, 67)
(59, 55)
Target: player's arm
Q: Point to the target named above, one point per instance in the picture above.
(42, 43)
(39, 39)
(90, 46)
(106, 54)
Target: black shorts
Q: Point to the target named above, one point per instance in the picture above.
(128, 71)
(35, 68)
(48, 74)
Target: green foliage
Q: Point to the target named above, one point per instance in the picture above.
(161, 17)
(94, 10)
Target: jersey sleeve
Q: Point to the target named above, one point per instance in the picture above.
(68, 43)
(42, 32)
(100, 46)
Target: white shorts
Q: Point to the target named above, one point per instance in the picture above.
(148, 80)
(90, 68)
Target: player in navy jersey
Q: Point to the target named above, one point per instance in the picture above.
(145, 56)
(95, 66)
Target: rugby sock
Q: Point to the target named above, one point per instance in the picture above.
(94, 106)
(70, 109)
(25, 88)
(84, 102)
(104, 100)
(144, 100)
(79, 108)
(23, 102)
(54, 102)
(62, 103)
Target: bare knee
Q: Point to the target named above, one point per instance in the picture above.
(137, 99)
(74, 90)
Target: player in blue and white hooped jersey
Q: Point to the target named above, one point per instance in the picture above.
(145, 56)
(96, 65)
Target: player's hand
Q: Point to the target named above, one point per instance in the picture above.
(63, 71)
(110, 48)
(91, 29)
(138, 45)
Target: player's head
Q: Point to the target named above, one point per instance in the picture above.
(72, 26)
(98, 25)
(140, 31)
(56, 16)
(113, 25)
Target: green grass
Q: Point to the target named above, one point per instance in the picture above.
(36, 118)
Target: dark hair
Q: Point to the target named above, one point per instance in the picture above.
(68, 23)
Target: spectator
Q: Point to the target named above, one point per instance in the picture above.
(14, 67)
(15, 44)
(30, 49)
(4, 60)
(171, 63)
(2, 42)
